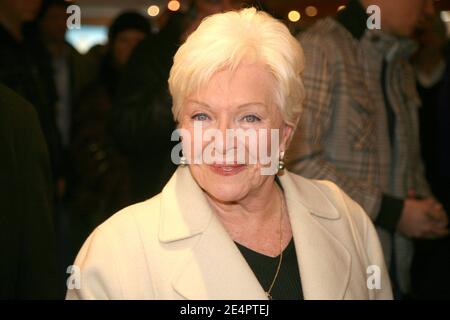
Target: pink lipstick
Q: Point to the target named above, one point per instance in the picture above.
(227, 169)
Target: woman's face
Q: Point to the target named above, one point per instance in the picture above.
(230, 169)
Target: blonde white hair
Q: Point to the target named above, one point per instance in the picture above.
(223, 41)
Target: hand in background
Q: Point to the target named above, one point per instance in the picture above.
(423, 218)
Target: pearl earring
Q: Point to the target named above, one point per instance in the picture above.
(183, 161)
(281, 164)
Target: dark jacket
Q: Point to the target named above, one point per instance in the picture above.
(25, 67)
(28, 267)
(99, 165)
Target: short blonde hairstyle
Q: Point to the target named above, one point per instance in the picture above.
(223, 41)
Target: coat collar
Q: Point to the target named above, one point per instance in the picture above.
(353, 18)
(187, 213)
(215, 269)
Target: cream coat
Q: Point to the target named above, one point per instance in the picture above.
(173, 247)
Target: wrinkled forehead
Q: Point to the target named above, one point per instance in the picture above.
(249, 83)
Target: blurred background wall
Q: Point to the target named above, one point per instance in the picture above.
(96, 15)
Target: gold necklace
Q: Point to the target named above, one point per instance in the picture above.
(268, 292)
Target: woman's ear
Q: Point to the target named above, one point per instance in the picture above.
(287, 133)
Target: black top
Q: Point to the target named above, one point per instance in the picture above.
(288, 283)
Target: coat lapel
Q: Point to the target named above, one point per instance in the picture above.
(324, 262)
(214, 268)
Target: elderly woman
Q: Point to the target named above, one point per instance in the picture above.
(228, 229)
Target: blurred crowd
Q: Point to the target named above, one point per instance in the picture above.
(106, 121)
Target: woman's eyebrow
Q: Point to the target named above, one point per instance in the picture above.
(247, 104)
(200, 103)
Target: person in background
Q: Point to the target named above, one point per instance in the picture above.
(25, 67)
(430, 277)
(72, 71)
(360, 127)
(102, 186)
(431, 66)
(97, 52)
(28, 268)
(142, 122)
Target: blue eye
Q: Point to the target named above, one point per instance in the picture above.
(200, 117)
(251, 118)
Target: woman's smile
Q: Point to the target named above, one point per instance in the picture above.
(227, 169)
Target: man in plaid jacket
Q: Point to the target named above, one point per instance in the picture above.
(359, 128)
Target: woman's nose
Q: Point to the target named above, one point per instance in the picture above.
(225, 129)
